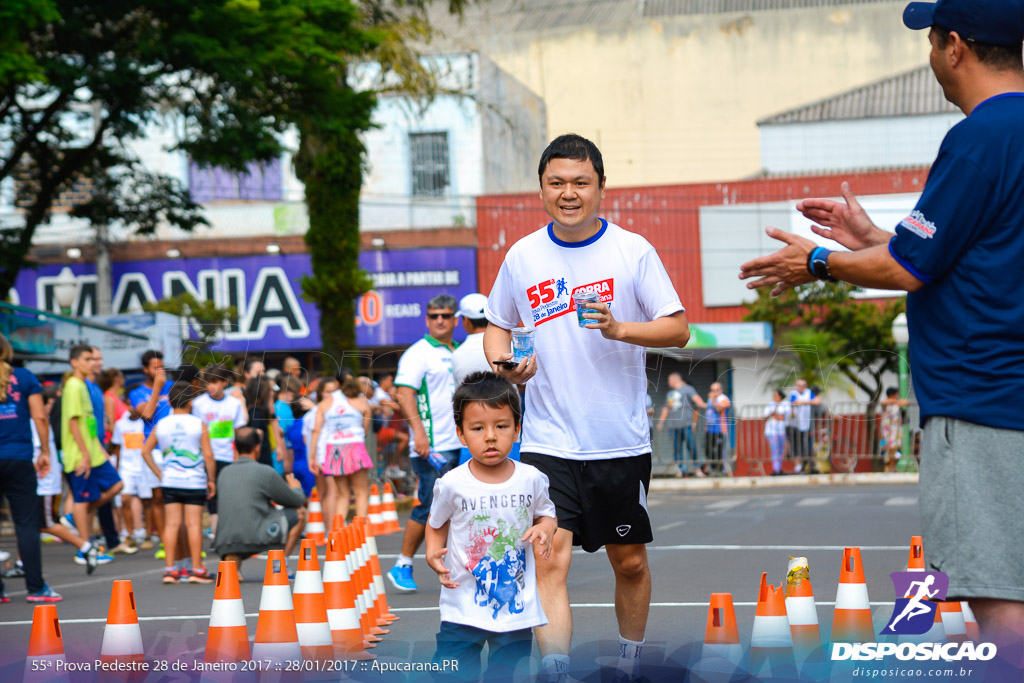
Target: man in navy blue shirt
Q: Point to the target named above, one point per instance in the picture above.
(959, 254)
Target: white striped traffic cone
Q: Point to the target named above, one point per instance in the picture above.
(851, 621)
(228, 637)
(771, 641)
(376, 517)
(315, 525)
(310, 607)
(277, 639)
(721, 653)
(801, 610)
(970, 623)
(389, 512)
(953, 621)
(45, 648)
(915, 563)
(122, 637)
(342, 614)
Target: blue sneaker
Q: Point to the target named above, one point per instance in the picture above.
(47, 594)
(401, 579)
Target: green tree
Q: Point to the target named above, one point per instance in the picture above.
(204, 324)
(832, 333)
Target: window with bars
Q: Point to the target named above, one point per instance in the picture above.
(428, 154)
(260, 181)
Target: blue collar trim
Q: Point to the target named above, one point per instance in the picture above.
(576, 245)
(1000, 96)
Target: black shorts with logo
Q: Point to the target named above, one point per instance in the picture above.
(602, 502)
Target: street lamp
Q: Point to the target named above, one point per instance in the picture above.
(65, 287)
(901, 335)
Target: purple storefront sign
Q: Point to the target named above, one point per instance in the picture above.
(267, 292)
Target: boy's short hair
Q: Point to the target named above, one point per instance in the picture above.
(247, 440)
(217, 373)
(489, 389)
(108, 378)
(180, 394)
(150, 355)
(78, 349)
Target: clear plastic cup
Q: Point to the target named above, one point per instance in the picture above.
(582, 299)
(522, 343)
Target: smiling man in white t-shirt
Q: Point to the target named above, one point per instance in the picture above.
(587, 428)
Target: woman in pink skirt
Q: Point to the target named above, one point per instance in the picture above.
(339, 435)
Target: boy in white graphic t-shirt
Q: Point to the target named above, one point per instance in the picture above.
(222, 413)
(483, 515)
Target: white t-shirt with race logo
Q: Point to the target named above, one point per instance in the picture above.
(497, 589)
(774, 426)
(52, 483)
(426, 367)
(802, 413)
(129, 435)
(586, 401)
(180, 440)
(222, 418)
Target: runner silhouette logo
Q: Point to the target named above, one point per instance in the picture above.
(917, 594)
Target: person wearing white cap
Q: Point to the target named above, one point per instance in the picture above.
(470, 357)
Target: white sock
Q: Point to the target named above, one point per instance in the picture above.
(555, 665)
(630, 649)
(403, 561)
(85, 548)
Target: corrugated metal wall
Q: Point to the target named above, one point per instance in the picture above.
(667, 216)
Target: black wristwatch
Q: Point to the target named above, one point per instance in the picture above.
(817, 264)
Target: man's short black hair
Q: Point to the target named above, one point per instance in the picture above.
(575, 147)
(247, 440)
(180, 394)
(78, 349)
(489, 389)
(891, 391)
(998, 57)
(150, 355)
(188, 373)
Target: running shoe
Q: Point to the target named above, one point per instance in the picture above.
(101, 557)
(124, 547)
(172, 575)
(4, 556)
(68, 522)
(160, 554)
(146, 544)
(3, 597)
(47, 594)
(15, 572)
(401, 579)
(201, 575)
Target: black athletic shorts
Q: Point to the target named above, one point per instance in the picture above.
(602, 502)
(184, 496)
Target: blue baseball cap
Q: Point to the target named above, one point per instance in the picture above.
(994, 22)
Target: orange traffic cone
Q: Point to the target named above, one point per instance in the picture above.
(384, 612)
(339, 523)
(851, 621)
(315, 525)
(311, 607)
(801, 610)
(376, 518)
(771, 642)
(277, 638)
(915, 563)
(359, 585)
(45, 647)
(372, 602)
(228, 639)
(721, 654)
(953, 621)
(342, 614)
(389, 513)
(970, 623)
(915, 560)
(122, 637)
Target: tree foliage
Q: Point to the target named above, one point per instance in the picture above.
(829, 331)
(80, 80)
(204, 325)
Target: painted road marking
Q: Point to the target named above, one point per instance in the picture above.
(901, 500)
(671, 525)
(814, 502)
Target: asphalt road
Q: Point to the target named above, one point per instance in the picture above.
(705, 542)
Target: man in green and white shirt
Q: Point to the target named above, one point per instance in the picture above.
(425, 388)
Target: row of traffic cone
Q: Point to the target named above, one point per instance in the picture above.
(121, 646)
(340, 614)
(382, 520)
(786, 632)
